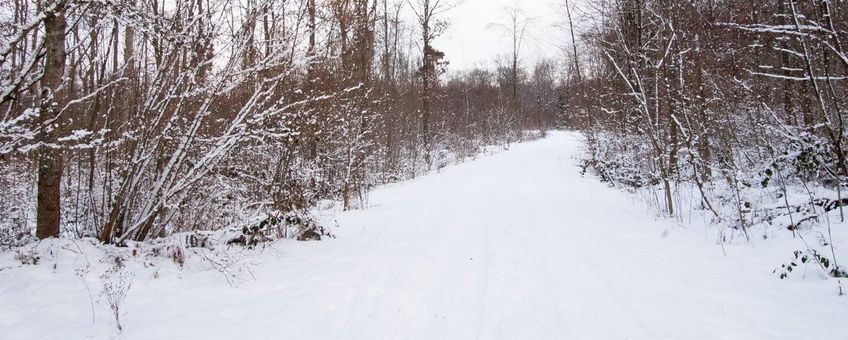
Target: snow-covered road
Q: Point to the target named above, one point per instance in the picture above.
(516, 245)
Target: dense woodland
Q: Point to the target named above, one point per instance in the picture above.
(669, 150)
(741, 102)
(136, 119)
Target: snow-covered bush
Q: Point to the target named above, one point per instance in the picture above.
(116, 283)
(618, 161)
(16, 202)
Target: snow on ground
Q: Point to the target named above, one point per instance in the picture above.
(512, 246)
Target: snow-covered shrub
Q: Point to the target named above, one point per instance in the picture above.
(17, 202)
(171, 250)
(810, 256)
(116, 283)
(618, 161)
(15, 234)
(276, 225)
(27, 256)
(808, 158)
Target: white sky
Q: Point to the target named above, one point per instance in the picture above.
(470, 41)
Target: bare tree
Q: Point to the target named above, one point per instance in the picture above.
(573, 40)
(428, 12)
(515, 26)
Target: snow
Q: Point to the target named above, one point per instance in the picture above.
(516, 245)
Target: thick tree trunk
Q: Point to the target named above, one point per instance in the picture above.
(50, 158)
(49, 185)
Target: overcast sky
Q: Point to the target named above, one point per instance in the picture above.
(470, 40)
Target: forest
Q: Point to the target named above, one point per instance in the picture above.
(131, 120)
(738, 103)
(162, 135)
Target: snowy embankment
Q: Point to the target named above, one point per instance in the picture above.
(516, 245)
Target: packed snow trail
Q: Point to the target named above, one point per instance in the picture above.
(517, 245)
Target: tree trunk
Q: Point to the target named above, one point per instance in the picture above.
(573, 41)
(425, 95)
(50, 158)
